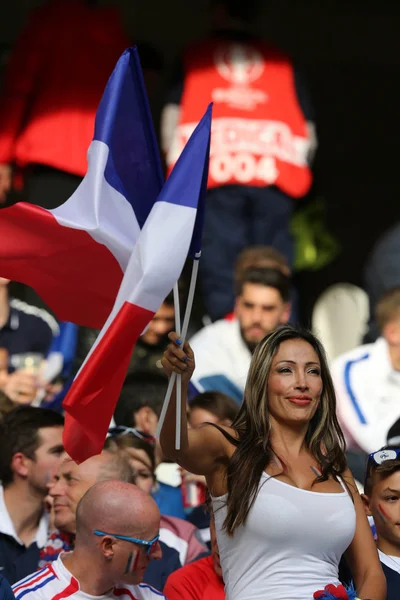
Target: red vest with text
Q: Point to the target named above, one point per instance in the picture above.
(259, 133)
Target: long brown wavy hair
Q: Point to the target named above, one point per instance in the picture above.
(324, 437)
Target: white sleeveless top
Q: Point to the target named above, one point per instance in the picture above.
(290, 545)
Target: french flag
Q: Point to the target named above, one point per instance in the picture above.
(76, 255)
(171, 231)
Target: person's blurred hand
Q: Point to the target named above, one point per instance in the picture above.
(21, 387)
(5, 181)
(178, 359)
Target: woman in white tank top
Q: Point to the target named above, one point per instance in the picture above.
(286, 507)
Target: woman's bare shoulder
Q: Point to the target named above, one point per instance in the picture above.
(226, 436)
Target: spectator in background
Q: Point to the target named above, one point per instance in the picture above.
(224, 349)
(139, 406)
(382, 502)
(148, 349)
(140, 402)
(367, 381)
(382, 273)
(139, 450)
(24, 330)
(71, 482)
(202, 579)
(116, 538)
(265, 257)
(30, 450)
(212, 407)
(52, 87)
(261, 144)
(176, 533)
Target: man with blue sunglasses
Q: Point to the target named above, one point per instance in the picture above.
(117, 533)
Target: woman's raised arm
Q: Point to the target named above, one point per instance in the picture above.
(203, 448)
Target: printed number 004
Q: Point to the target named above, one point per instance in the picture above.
(243, 168)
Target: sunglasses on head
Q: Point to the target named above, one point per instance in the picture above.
(122, 430)
(150, 544)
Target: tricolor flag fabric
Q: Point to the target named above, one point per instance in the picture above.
(170, 232)
(75, 256)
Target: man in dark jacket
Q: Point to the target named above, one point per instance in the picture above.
(30, 449)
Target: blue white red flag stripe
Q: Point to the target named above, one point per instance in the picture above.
(75, 255)
(155, 265)
(42, 578)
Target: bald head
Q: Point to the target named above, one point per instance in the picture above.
(116, 507)
(115, 510)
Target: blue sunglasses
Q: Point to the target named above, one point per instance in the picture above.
(122, 430)
(151, 544)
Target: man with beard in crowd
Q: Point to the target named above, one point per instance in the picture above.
(223, 349)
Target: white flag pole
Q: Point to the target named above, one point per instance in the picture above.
(177, 310)
(186, 319)
(178, 379)
(192, 289)
(166, 404)
(174, 376)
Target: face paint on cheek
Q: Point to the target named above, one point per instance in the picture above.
(384, 517)
(132, 562)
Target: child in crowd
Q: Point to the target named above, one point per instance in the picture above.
(382, 502)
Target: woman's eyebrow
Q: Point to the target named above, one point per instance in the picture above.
(293, 362)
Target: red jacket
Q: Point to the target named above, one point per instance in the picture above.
(259, 132)
(197, 581)
(54, 82)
